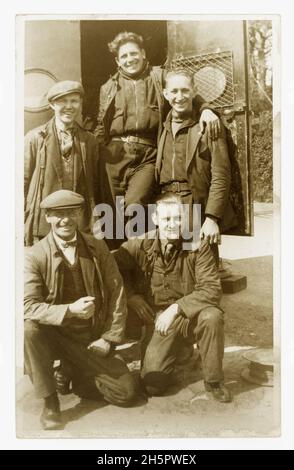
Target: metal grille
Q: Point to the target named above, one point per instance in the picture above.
(213, 75)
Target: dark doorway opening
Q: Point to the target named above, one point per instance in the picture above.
(98, 64)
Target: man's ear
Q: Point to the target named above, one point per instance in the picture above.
(165, 94)
(154, 217)
(143, 53)
(47, 217)
(195, 90)
(117, 62)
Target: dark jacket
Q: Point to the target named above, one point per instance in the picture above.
(43, 175)
(198, 273)
(43, 286)
(208, 172)
(107, 99)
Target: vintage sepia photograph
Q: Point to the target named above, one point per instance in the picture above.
(148, 150)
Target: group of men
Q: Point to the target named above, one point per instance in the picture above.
(155, 143)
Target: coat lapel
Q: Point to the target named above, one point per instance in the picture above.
(53, 267)
(53, 150)
(81, 156)
(194, 136)
(159, 155)
(88, 270)
(88, 265)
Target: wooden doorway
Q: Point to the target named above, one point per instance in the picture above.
(98, 64)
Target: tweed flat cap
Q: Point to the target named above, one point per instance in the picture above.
(66, 87)
(62, 199)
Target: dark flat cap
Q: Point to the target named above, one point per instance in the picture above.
(66, 87)
(62, 199)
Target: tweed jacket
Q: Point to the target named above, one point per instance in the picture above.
(43, 286)
(43, 175)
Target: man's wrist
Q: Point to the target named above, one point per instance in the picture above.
(68, 313)
(180, 311)
(212, 217)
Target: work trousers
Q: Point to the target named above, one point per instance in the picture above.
(206, 329)
(45, 343)
(131, 169)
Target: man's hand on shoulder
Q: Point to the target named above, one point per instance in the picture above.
(210, 231)
(212, 122)
(166, 319)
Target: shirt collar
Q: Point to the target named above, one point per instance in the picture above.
(142, 74)
(190, 121)
(158, 245)
(60, 128)
(59, 241)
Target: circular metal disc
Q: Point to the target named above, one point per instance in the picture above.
(210, 82)
(260, 356)
(37, 83)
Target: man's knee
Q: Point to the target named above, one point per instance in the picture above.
(31, 331)
(212, 317)
(120, 392)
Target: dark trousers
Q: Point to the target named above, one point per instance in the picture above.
(131, 169)
(159, 363)
(45, 343)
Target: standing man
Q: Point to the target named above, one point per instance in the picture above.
(131, 114)
(59, 155)
(190, 163)
(179, 292)
(75, 311)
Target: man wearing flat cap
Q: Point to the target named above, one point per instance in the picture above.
(74, 311)
(59, 155)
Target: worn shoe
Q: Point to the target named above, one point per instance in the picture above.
(51, 416)
(218, 391)
(62, 381)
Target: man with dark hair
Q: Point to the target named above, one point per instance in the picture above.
(192, 164)
(176, 293)
(60, 154)
(131, 114)
(75, 311)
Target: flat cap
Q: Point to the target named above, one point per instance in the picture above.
(63, 88)
(62, 199)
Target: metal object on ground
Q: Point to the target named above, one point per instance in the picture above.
(231, 282)
(261, 367)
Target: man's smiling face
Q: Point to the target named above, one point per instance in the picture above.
(130, 58)
(67, 108)
(179, 92)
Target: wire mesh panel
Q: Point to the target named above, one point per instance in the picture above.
(213, 75)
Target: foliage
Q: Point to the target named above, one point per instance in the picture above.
(260, 41)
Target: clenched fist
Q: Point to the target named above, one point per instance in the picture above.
(83, 308)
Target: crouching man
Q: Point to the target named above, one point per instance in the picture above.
(75, 311)
(181, 291)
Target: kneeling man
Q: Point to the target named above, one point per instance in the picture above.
(75, 310)
(182, 289)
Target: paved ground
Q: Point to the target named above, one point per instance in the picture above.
(185, 411)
